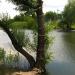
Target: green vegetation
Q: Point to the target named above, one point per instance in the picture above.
(32, 19)
(64, 20)
(8, 59)
(50, 16)
(68, 17)
(16, 30)
(2, 55)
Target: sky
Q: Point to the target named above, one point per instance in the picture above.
(48, 5)
(54, 5)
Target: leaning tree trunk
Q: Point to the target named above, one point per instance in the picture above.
(18, 47)
(41, 37)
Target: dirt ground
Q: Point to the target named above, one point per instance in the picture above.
(25, 73)
(33, 72)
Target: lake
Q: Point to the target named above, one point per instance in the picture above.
(63, 48)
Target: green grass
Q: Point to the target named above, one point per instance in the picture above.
(73, 26)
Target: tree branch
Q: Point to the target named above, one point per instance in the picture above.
(17, 45)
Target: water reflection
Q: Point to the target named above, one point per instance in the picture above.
(63, 49)
(69, 39)
(6, 44)
(61, 68)
(64, 54)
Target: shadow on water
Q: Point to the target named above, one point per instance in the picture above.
(69, 39)
(61, 68)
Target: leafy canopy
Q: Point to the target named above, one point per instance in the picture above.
(69, 13)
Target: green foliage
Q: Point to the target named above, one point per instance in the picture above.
(48, 57)
(5, 58)
(31, 22)
(73, 25)
(27, 39)
(19, 35)
(10, 58)
(48, 53)
(51, 25)
(2, 55)
(18, 25)
(16, 58)
(68, 15)
(30, 41)
(50, 16)
(27, 6)
(24, 22)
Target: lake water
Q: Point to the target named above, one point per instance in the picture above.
(63, 49)
(6, 44)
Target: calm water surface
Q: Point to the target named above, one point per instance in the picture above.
(63, 49)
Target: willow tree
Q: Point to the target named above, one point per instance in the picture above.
(28, 6)
(68, 14)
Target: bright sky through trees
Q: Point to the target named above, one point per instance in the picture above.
(53, 5)
(6, 7)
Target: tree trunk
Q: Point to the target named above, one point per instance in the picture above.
(18, 47)
(68, 28)
(41, 37)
